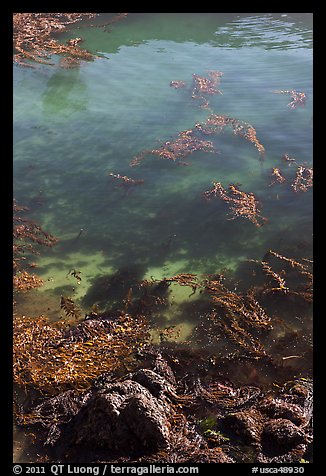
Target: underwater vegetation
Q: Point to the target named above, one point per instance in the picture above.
(34, 38)
(28, 236)
(95, 385)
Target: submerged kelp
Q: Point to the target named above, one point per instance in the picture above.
(185, 144)
(104, 372)
(216, 123)
(28, 236)
(34, 37)
(117, 379)
(242, 204)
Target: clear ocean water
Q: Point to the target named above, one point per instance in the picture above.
(72, 127)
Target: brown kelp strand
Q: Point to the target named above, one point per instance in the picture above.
(124, 181)
(216, 123)
(33, 37)
(177, 84)
(28, 236)
(276, 176)
(244, 306)
(242, 204)
(185, 144)
(206, 86)
(293, 279)
(69, 307)
(297, 98)
(47, 358)
(303, 179)
(237, 316)
(185, 279)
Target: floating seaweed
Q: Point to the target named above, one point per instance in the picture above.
(24, 281)
(204, 85)
(298, 98)
(126, 182)
(298, 273)
(177, 84)
(276, 176)
(33, 38)
(216, 123)
(242, 204)
(186, 143)
(303, 179)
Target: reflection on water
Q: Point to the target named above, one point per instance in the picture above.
(73, 127)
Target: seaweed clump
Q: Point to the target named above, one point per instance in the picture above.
(34, 37)
(204, 85)
(185, 144)
(293, 278)
(242, 204)
(297, 98)
(216, 123)
(51, 359)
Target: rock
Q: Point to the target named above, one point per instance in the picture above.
(123, 416)
(281, 434)
(154, 382)
(278, 408)
(247, 424)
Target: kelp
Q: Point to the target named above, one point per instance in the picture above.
(185, 144)
(177, 84)
(297, 98)
(69, 307)
(276, 176)
(24, 281)
(28, 236)
(125, 182)
(206, 85)
(51, 360)
(34, 38)
(303, 179)
(202, 86)
(295, 280)
(242, 204)
(237, 315)
(216, 123)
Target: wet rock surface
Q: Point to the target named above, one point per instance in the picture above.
(122, 415)
(154, 414)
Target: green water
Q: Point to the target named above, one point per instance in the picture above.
(74, 126)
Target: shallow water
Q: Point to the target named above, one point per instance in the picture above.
(74, 126)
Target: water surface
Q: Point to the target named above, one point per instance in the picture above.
(74, 126)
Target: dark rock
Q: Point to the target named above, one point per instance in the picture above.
(123, 416)
(278, 408)
(154, 382)
(246, 424)
(282, 434)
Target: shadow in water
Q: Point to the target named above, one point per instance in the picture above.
(65, 93)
